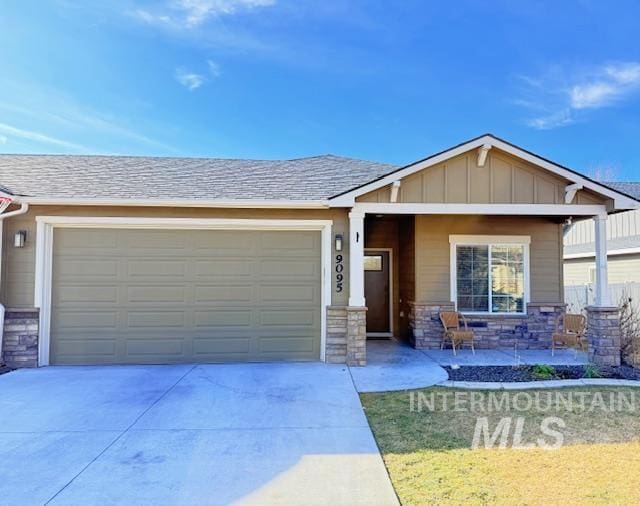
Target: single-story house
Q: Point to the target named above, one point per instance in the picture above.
(623, 242)
(112, 260)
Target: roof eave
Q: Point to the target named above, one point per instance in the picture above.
(148, 202)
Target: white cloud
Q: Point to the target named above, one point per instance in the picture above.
(38, 137)
(193, 13)
(610, 84)
(189, 80)
(559, 119)
(560, 98)
(214, 69)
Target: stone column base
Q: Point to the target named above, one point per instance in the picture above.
(356, 336)
(20, 338)
(603, 333)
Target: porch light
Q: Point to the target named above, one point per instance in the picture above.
(338, 244)
(19, 238)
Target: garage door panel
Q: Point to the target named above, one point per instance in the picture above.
(221, 268)
(223, 294)
(83, 321)
(289, 294)
(152, 348)
(287, 318)
(302, 269)
(156, 296)
(217, 319)
(155, 319)
(85, 294)
(156, 293)
(80, 268)
(156, 269)
(86, 346)
(219, 346)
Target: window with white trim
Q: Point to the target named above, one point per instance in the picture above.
(490, 274)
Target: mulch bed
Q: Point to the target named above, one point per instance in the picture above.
(526, 373)
(4, 369)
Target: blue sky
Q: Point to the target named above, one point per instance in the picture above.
(390, 81)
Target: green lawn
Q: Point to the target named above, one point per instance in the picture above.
(430, 458)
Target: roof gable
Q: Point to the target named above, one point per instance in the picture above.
(583, 187)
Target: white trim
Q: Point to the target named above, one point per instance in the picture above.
(487, 209)
(124, 202)
(602, 298)
(44, 255)
(356, 259)
(391, 299)
(611, 252)
(483, 151)
(489, 240)
(620, 201)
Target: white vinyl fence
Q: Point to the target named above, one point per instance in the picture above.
(578, 297)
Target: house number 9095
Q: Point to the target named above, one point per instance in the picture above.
(339, 275)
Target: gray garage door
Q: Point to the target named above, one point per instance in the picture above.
(166, 296)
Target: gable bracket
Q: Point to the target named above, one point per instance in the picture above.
(570, 192)
(483, 151)
(395, 186)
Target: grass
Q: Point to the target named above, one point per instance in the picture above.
(430, 458)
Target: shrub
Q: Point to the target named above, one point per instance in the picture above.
(592, 371)
(543, 371)
(629, 330)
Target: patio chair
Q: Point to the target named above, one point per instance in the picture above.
(570, 332)
(452, 331)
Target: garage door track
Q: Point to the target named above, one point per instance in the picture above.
(184, 434)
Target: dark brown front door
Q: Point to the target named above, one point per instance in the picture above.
(376, 291)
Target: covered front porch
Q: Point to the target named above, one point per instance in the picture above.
(502, 272)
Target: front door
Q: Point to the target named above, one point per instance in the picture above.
(377, 292)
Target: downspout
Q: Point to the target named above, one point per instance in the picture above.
(24, 207)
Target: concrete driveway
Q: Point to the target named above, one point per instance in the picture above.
(206, 434)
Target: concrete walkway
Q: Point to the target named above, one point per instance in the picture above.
(392, 365)
(208, 434)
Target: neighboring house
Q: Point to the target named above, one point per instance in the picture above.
(623, 239)
(110, 259)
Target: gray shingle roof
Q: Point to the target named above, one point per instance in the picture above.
(630, 188)
(67, 176)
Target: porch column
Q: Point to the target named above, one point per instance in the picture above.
(603, 318)
(356, 259)
(602, 297)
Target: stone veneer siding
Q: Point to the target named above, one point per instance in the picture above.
(357, 336)
(603, 333)
(20, 338)
(336, 346)
(532, 331)
(346, 335)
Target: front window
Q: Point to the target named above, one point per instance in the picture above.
(489, 277)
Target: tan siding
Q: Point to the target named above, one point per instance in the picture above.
(503, 180)
(433, 253)
(19, 264)
(622, 269)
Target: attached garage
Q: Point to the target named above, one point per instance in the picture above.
(155, 296)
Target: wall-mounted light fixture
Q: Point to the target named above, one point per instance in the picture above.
(338, 243)
(20, 238)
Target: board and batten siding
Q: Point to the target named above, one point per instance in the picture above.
(504, 179)
(432, 253)
(18, 265)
